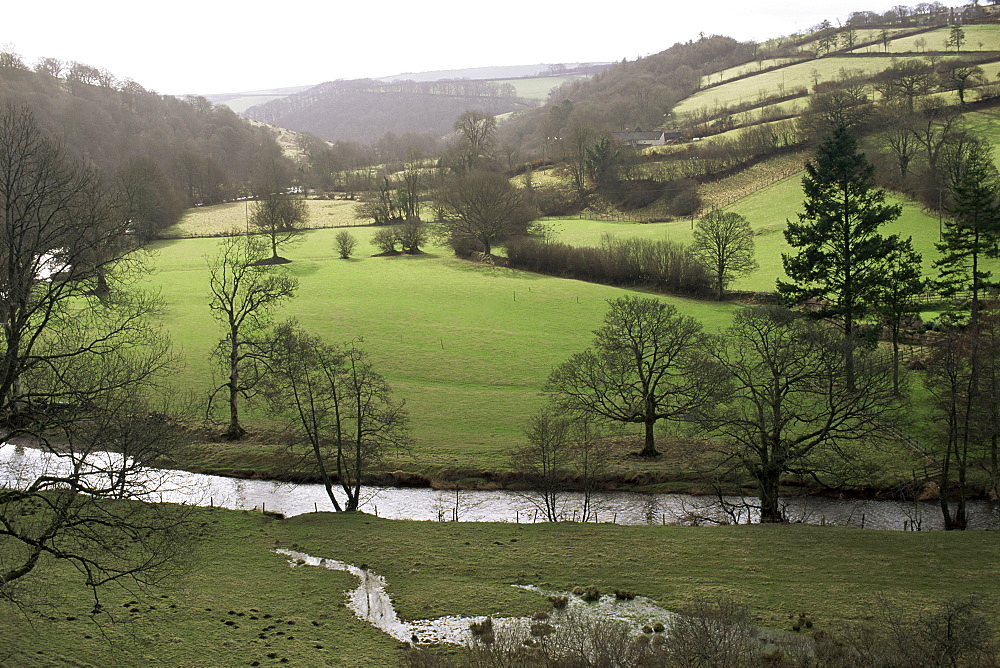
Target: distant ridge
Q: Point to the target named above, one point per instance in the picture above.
(496, 72)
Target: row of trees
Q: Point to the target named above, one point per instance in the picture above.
(771, 392)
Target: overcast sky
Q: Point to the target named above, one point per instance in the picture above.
(201, 46)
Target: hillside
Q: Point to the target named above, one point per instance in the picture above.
(365, 110)
(171, 153)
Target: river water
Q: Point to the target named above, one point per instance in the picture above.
(19, 464)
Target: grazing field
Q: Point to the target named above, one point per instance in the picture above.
(237, 602)
(468, 346)
(767, 209)
(977, 38)
(785, 78)
(220, 219)
(538, 88)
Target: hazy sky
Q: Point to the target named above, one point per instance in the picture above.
(209, 46)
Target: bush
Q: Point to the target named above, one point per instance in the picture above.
(346, 242)
(385, 240)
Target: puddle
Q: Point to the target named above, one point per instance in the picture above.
(371, 602)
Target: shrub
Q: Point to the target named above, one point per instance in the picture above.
(559, 602)
(385, 240)
(346, 242)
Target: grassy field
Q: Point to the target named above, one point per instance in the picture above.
(785, 78)
(221, 219)
(977, 38)
(206, 615)
(538, 88)
(468, 346)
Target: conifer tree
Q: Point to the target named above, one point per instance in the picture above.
(971, 233)
(841, 255)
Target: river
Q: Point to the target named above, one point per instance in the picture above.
(18, 464)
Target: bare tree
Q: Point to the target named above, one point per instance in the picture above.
(723, 242)
(477, 137)
(244, 293)
(76, 370)
(785, 400)
(280, 216)
(640, 369)
(483, 207)
(344, 411)
(959, 76)
(546, 460)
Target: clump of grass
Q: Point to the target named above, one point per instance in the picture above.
(624, 595)
(802, 622)
(542, 629)
(591, 594)
(482, 628)
(559, 602)
(658, 627)
(540, 616)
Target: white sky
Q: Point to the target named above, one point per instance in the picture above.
(210, 46)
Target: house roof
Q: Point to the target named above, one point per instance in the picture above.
(638, 136)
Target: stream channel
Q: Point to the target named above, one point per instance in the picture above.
(20, 464)
(370, 600)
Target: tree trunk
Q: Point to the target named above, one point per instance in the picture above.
(649, 446)
(770, 509)
(234, 432)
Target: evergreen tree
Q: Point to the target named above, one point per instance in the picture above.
(897, 302)
(841, 255)
(971, 233)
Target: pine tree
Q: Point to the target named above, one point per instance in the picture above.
(841, 255)
(971, 233)
(903, 283)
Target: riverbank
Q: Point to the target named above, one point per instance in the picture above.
(235, 601)
(685, 466)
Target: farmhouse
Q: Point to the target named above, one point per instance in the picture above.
(641, 139)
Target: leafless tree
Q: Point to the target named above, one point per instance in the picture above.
(79, 363)
(344, 411)
(244, 293)
(477, 137)
(483, 207)
(280, 216)
(723, 242)
(784, 398)
(641, 368)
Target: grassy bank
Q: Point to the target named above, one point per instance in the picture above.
(436, 569)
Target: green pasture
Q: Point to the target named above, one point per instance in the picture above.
(977, 38)
(468, 346)
(236, 601)
(767, 209)
(538, 88)
(221, 219)
(785, 78)
(744, 69)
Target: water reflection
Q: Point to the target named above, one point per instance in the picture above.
(20, 465)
